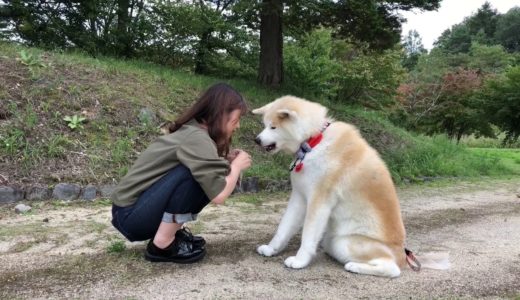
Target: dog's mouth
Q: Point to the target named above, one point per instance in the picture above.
(270, 148)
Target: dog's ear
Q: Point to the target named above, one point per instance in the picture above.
(261, 110)
(286, 113)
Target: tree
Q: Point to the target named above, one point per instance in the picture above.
(4, 22)
(507, 33)
(270, 71)
(413, 48)
(482, 25)
(459, 112)
(452, 107)
(175, 39)
(213, 20)
(479, 27)
(489, 59)
(368, 77)
(374, 22)
(96, 26)
(455, 40)
(209, 36)
(417, 98)
(124, 39)
(502, 103)
(310, 65)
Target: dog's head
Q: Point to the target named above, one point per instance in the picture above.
(289, 121)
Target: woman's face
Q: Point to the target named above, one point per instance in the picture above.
(232, 123)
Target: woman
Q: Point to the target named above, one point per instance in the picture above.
(179, 174)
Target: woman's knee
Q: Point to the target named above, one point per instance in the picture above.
(182, 171)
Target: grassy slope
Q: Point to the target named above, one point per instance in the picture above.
(36, 146)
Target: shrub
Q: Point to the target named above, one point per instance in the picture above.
(309, 65)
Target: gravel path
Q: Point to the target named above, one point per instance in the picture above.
(61, 250)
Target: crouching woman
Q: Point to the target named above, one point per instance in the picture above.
(179, 174)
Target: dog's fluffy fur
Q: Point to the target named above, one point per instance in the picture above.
(344, 196)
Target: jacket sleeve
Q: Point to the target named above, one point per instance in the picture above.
(199, 154)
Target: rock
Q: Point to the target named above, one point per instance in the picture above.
(66, 191)
(55, 177)
(238, 189)
(22, 208)
(278, 186)
(247, 185)
(250, 185)
(38, 193)
(107, 190)
(3, 180)
(89, 193)
(10, 194)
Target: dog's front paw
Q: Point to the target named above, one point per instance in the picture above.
(266, 250)
(296, 263)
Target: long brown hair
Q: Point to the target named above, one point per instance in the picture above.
(213, 109)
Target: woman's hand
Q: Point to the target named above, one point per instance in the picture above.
(232, 155)
(242, 160)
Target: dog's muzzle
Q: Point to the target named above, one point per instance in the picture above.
(267, 148)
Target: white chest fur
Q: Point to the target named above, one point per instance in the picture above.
(312, 172)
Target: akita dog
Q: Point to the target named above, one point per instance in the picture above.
(342, 192)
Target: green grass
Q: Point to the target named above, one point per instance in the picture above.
(36, 143)
(25, 229)
(412, 157)
(443, 158)
(255, 199)
(116, 247)
(509, 158)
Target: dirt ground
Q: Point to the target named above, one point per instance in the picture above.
(70, 250)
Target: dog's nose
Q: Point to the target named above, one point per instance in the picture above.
(258, 141)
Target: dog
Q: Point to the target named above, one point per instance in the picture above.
(342, 192)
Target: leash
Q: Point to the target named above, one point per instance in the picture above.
(412, 260)
(305, 148)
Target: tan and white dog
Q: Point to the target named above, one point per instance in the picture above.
(342, 194)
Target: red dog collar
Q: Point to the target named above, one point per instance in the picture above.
(306, 147)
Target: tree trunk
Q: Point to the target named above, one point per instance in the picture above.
(123, 36)
(201, 66)
(270, 71)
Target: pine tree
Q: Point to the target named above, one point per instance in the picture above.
(413, 48)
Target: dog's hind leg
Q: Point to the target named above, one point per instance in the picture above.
(362, 255)
(378, 267)
(291, 222)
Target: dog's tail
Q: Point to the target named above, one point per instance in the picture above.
(431, 260)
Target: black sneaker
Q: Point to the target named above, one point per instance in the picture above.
(186, 235)
(179, 251)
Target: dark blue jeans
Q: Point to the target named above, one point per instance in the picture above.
(177, 196)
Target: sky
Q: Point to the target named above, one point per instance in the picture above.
(431, 24)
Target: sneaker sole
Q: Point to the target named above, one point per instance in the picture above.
(193, 259)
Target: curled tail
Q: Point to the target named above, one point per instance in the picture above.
(432, 260)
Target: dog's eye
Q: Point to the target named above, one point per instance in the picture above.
(273, 127)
